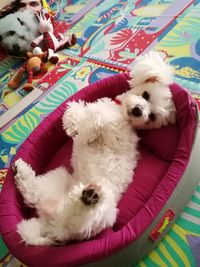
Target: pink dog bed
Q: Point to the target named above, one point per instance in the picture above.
(167, 166)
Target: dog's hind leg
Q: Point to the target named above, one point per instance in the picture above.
(51, 186)
(26, 182)
(34, 232)
(91, 208)
(103, 200)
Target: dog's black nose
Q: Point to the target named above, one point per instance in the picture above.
(16, 48)
(136, 111)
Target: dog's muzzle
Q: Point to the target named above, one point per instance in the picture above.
(137, 111)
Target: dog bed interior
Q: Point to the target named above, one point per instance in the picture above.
(165, 154)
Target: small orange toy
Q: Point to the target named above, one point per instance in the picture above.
(34, 65)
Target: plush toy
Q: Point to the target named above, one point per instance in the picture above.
(34, 65)
(50, 40)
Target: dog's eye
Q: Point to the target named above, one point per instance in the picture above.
(11, 33)
(22, 37)
(152, 116)
(146, 95)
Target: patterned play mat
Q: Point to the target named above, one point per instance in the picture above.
(110, 36)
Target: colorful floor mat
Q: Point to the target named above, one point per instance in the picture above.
(111, 34)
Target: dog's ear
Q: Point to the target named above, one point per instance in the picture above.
(1, 38)
(152, 79)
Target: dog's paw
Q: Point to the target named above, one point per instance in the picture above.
(17, 165)
(14, 168)
(72, 116)
(22, 170)
(90, 194)
(69, 124)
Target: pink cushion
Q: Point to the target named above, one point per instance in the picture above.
(161, 142)
(148, 175)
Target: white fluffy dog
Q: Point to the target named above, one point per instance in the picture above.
(17, 31)
(82, 204)
(150, 78)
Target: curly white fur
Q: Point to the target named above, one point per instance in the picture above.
(152, 76)
(104, 157)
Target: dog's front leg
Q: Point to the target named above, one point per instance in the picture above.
(72, 116)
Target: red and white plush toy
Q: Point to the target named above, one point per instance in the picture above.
(50, 40)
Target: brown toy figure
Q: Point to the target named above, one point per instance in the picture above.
(34, 65)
